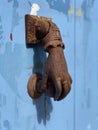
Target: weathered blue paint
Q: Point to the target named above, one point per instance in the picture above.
(77, 21)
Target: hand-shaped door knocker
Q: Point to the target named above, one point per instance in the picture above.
(55, 81)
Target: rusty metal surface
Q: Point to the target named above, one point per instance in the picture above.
(32, 24)
(56, 81)
(42, 29)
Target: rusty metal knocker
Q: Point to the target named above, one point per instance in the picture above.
(55, 81)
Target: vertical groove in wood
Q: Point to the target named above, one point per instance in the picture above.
(74, 101)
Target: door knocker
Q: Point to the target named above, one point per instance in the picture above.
(55, 81)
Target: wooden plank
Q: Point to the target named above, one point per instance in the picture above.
(86, 108)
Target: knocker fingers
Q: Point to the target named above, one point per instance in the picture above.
(66, 87)
(65, 90)
(58, 89)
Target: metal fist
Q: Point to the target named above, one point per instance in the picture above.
(55, 81)
(56, 71)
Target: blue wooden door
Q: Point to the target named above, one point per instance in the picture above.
(77, 21)
(86, 72)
